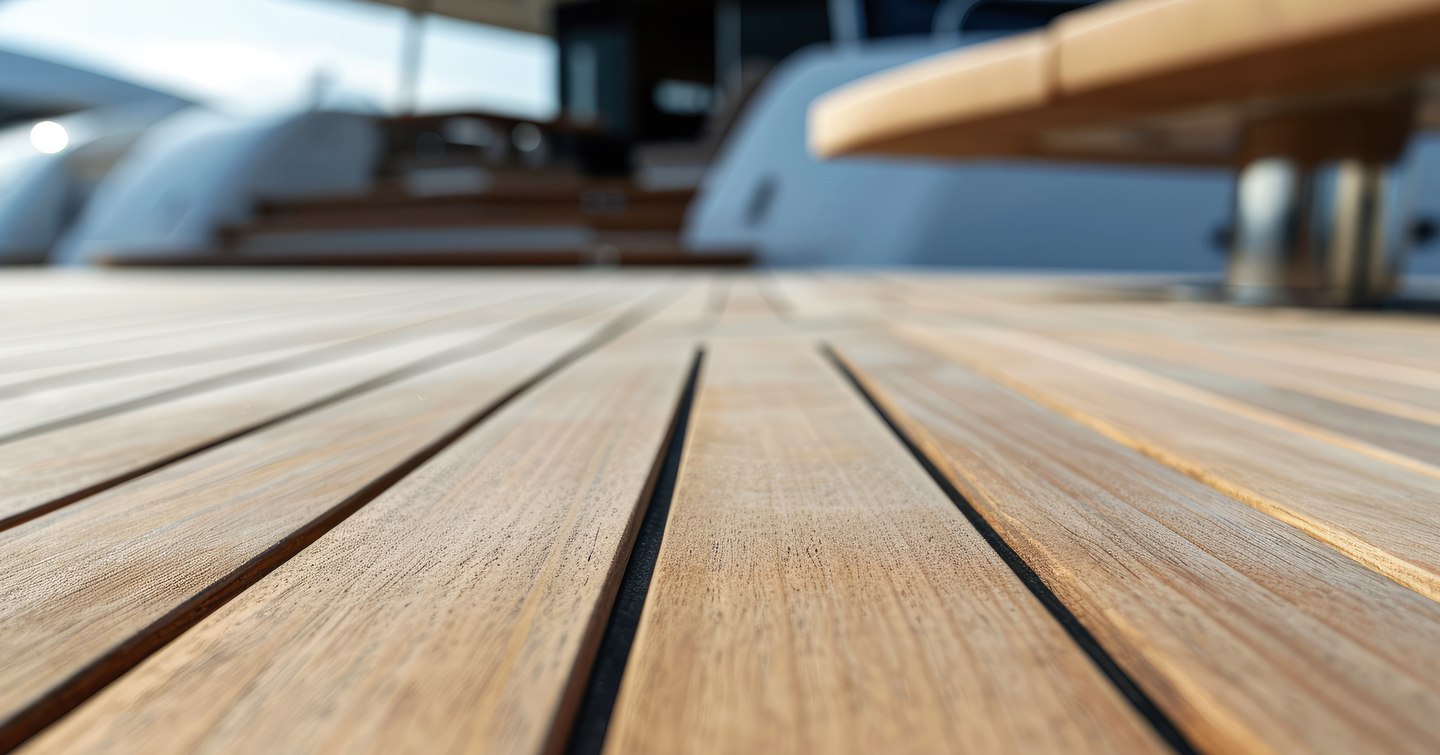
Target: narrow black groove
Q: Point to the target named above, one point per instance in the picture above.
(505, 336)
(597, 700)
(114, 663)
(1127, 686)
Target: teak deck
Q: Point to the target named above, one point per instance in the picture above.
(710, 512)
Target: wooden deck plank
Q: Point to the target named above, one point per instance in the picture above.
(1243, 551)
(456, 612)
(690, 311)
(1251, 635)
(50, 306)
(1224, 351)
(26, 414)
(38, 471)
(1291, 393)
(1240, 345)
(98, 583)
(745, 302)
(812, 300)
(52, 403)
(186, 319)
(816, 592)
(118, 311)
(1305, 356)
(105, 364)
(88, 363)
(1372, 393)
(41, 472)
(1378, 513)
(1340, 344)
(1395, 349)
(1402, 337)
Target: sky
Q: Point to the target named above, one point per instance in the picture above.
(268, 52)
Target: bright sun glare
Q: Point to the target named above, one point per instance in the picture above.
(49, 137)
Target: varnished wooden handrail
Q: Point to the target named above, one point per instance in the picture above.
(1149, 80)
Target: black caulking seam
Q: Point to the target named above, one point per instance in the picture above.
(96, 675)
(597, 701)
(1114, 673)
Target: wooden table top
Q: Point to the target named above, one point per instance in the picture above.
(1206, 82)
(710, 512)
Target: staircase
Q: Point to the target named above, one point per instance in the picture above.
(502, 200)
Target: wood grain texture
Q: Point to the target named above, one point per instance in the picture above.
(454, 613)
(913, 109)
(194, 332)
(1371, 393)
(51, 468)
(165, 314)
(1131, 51)
(1357, 428)
(746, 303)
(1253, 637)
(53, 403)
(1302, 397)
(1151, 81)
(39, 470)
(397, 568)
(1339, 354)
(810, 299)
(119, 358)
(68, 403)
(1378, 513)
(95, 575)
(816, 592)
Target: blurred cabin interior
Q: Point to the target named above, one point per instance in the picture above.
(681, 134)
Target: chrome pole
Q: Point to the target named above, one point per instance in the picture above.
(411, 51)
(1316, 235)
